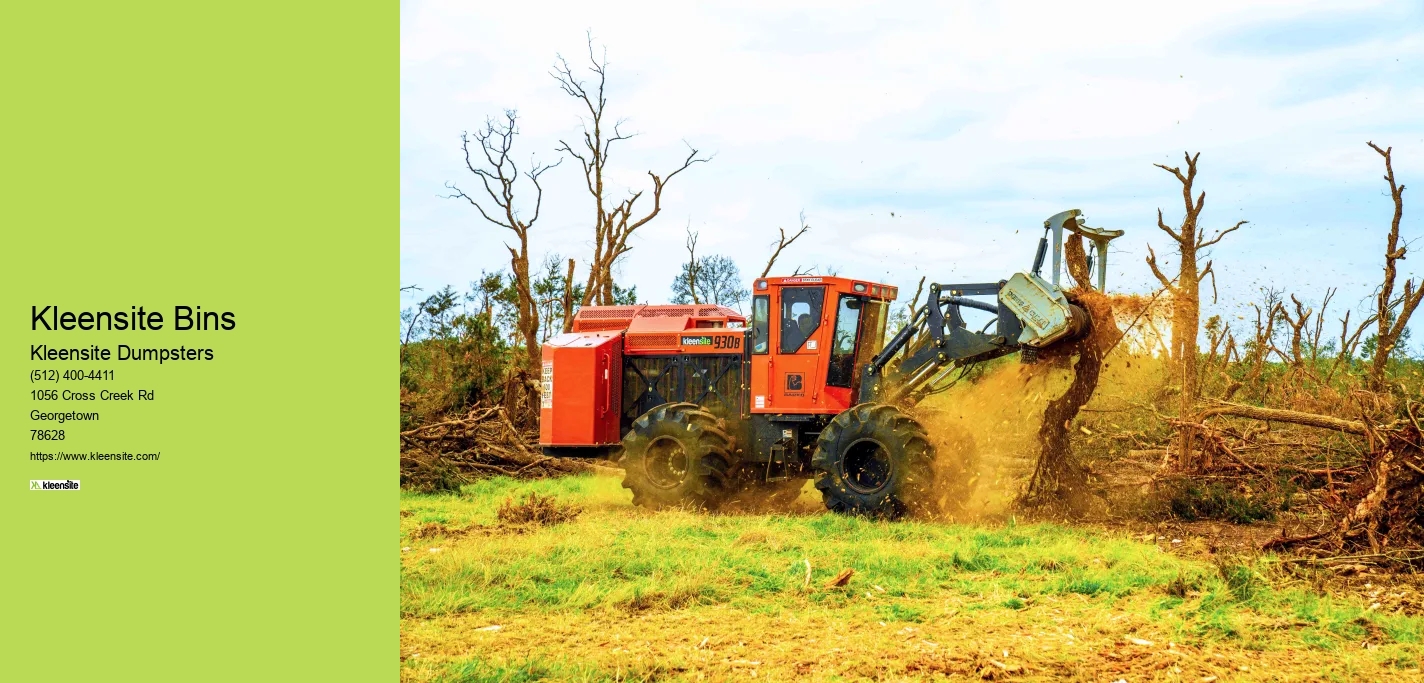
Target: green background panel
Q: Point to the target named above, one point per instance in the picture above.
(239, 157)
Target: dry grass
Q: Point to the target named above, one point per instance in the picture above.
(1056, 638)
(621, 593)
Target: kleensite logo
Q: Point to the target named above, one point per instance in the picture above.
(54, 484)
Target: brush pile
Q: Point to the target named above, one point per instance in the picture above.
(444, 455)
(1380, 516)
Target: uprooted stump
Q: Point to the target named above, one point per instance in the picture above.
(537, 510)
(1382, 512)
(442, 456)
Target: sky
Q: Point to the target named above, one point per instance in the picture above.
(933, 139)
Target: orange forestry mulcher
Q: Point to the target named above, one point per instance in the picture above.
(700, 402)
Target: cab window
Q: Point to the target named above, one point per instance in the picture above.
(800, 316)
(872, 334)
(841, 370)
(761, 330)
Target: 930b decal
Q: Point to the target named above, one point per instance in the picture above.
(719, 342)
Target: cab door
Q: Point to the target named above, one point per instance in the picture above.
(795, 370)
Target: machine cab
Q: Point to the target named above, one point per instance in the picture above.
(810, 337)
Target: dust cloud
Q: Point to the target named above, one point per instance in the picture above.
(989, 431)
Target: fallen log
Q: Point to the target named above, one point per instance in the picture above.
(1279, 415)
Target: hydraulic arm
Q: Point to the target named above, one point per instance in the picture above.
(937, 340)
(1029, 313)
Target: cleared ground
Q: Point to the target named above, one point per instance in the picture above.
(621, 593)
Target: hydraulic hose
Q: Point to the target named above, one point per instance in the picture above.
(969, 303)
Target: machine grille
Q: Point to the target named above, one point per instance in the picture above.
(665, 312)
(713, 382)
(623, 312)
(600, 326)
(652, 341)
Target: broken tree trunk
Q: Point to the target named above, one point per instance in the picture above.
(1060, 483)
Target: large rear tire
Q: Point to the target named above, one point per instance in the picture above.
(874, 460)
(677, 454)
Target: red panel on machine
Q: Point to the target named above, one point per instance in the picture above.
(581, 389)
(673, 328)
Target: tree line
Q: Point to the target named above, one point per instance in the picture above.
(484, 343)
(1290, 337)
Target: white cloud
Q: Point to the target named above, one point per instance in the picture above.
(968, 120)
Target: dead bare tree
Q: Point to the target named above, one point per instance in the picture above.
(1186, 295)
(1261, 342)
(614, 221)
(910, 309)
(414, 316)
(1348, 342)
(491, 162)
(692, 265)
(568, 300)
(915, 300)
(782, 243)
(1217, 332)
(1318, 327)
(1391, 314)
(1297, 325)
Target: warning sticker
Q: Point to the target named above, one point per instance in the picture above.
(761, 401)
(546, 388)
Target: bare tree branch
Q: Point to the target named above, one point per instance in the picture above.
(1162, 225)
(1318, 327)
(1202, 276)
(1297, 324)
(568, 299)
(614, 222)
(915, 300)
(782, 243)
(1203, 243)
(1152, 262)
(1348, 342)
(692, 264)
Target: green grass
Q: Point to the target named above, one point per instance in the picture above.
(639, 560)
(618, 561)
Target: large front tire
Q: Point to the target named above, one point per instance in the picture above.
(677, 454)
(874, 460)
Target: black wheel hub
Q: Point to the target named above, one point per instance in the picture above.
(666, 463)
(867, 466)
